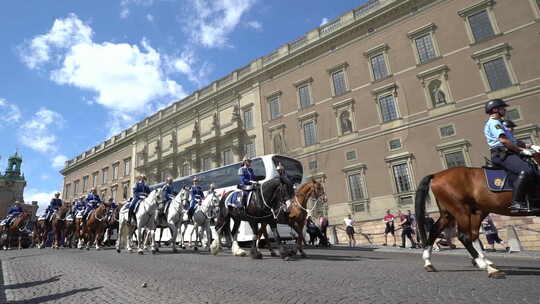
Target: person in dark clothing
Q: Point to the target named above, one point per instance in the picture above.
(407, 230)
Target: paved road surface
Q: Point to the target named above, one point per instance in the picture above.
(328, 276)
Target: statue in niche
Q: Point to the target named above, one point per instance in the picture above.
(236, 114)
(215, 121)
(195, 129)
(278, 144)
(346, 124)
(436, 93)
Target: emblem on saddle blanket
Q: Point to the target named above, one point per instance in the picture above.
(497, 180)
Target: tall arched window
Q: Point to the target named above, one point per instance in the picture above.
(278, 144)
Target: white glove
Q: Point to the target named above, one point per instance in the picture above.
(526, 152)
(536, 148)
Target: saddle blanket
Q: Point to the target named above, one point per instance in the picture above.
(497, 180)
(235, 199)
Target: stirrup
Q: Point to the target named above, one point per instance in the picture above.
(517, 207)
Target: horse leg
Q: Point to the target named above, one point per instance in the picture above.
(140, 239)
(255, 253)
(235, 248)
(300, 240)
(443, 221)
(208, 235)
(174, 234)
(283, 253)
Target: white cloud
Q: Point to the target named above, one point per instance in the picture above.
(45, 177)
(126, 78)
(42, 197)
(150, 17)
(37, 133)
(324, 21)
(125, 4)
(9, 113)
(214, 20)
(188, 64)
(256, 25)
(59, 161)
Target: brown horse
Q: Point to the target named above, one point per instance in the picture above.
(463, 198)
(58, 223)
(15, 229)
(297, 213)
(95, 226)
(40, 232)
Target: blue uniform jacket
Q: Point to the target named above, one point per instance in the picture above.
(92, 200)
(79, 205)
(196, 192)
(246, 175)
(140, 189)
(55, 204)
(168, 192)
(13, 210)
(493, 130)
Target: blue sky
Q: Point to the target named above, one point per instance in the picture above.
(75, 72)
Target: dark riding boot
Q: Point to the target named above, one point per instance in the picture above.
(130, 216)
(519, 203)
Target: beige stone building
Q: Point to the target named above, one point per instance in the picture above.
(373, 101)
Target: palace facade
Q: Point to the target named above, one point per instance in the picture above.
(370, 102)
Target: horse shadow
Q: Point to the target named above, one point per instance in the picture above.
(520, 270)
(340, 258)
(55, 297)
(33, 283)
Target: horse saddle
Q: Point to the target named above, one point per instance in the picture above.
(246, 187)
(497, 180)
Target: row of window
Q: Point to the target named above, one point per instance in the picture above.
(480, 23)
(95, 178)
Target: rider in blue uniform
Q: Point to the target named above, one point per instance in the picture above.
(285, 180)
(168, 193)
(79, 205)
(507, 152)
(140, 192)
(13, 212)
(247, 177)
(92, 202)
(196, 194)
(55, 204)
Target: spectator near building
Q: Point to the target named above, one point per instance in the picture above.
(492, 235)
(406, 226)
(389, 227)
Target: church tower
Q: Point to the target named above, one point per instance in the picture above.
(12, 184)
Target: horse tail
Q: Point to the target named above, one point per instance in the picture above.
(420, 207)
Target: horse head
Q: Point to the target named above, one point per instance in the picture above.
(210, 204)
(317, 190)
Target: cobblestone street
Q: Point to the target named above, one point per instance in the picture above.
(336, 275)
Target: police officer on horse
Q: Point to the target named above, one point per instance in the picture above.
(247, 177)
(508, 152)
(168, 193)
(140, 192)
(196, 195)
(92, 202)
(13, 211)
(55, 204)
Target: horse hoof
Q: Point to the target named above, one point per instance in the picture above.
(497, 275)
(118, 250)
(303, 255)
(273, 254)
(257, 256)
(287, 258)
(195, 248)
(87, 248)
(140, 252)
(430, 268)
(153, 251)
(175, 250)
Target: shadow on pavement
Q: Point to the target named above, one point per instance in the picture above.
(520, 271)
(342, 258)
(32, 284)
(54, 297)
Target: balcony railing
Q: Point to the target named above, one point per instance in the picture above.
(330, 27)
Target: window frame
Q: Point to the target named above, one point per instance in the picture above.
(498, 51)
(104, 175)
(394, 149)
(384, 91)
(339, 68)
(378, 50)
(223, 160)
(308, 84)
(478, 7)
(398, 159)
(516, 108)
(115, 175)
(439, 130)
(269, 100)
(95, 179)
(245, 124)
(461, 145)
(251, 142)
(426, 30)
(85, 181)
(127, 164)
(303, 121)
(354, 169)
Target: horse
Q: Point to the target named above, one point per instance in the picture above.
(174, 217)
(15, 229)
(263, 206)
(57, 224)
(112, 224)
(145, 219)
(297, 213)
(462, 197)
(40, 232)
(203, 216)
(95, 226)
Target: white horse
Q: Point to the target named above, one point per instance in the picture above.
(175, 215)
(207, 211)
(145, 219)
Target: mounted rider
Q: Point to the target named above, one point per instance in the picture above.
(168, 193)
(13, 211)
(92, 202)
(285, 180)
(196, 194)
(140, 192)
(78, 206)
(507, 152)
(55, 204)
(247, 177)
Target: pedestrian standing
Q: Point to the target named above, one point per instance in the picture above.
(492, 235)
(323, 223)
(349, 228)
(406, 226)
(389, 227)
